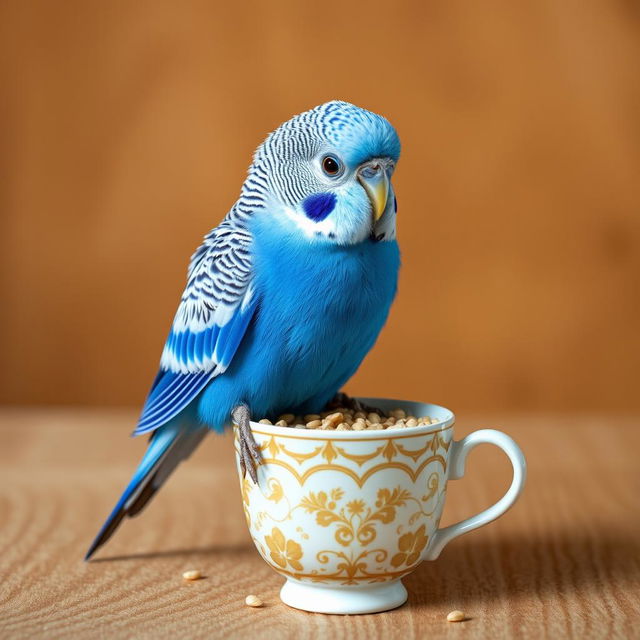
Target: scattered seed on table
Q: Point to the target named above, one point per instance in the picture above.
(253, 601)
(194, 574)
(456, 616)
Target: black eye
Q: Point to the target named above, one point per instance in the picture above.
(331, 166)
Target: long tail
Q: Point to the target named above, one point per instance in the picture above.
(169, 445)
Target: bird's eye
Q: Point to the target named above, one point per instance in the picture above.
(331, 166)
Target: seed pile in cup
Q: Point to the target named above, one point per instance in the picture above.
(343, 419)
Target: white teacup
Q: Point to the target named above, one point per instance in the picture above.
(344, 515)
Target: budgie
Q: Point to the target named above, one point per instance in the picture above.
(284, 298)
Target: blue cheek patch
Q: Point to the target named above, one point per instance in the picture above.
(319, 206)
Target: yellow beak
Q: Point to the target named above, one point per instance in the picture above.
(375, 181)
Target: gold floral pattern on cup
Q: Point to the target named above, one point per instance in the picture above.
(324, 512)
(282, 551)
(410, 547)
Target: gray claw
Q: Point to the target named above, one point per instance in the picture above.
(343, 400)
(250, 454)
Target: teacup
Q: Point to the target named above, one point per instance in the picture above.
(344, 515)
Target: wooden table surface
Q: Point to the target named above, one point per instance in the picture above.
(564, 562)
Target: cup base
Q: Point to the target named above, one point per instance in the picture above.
(350, 600)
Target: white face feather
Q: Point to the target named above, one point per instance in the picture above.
(342, 226)
(310, 228)
(350, 220)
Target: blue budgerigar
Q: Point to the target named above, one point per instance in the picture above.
(284, 298)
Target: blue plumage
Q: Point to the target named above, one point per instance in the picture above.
(298, 354)
(167, 448)
(285, 297)
(171, 393)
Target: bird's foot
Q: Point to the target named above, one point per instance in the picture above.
(343, 400)
(250, 454)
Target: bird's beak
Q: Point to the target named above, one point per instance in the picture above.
(373, 177)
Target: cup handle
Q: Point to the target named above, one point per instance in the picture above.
(457, 461)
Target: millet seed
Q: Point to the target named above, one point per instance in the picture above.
(334, 419)
(253, 601)
(344, 419)
(456, 616)
(194, 574)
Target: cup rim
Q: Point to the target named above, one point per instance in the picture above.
(446, 419)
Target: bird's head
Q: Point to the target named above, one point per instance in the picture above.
(327, 173)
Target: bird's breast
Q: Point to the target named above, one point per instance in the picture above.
(322, 306)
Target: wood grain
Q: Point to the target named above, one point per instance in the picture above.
(127, 128)
(565, 562)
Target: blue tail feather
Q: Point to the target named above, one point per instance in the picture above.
(168, 446)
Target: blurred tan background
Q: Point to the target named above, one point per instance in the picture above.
(127, 128)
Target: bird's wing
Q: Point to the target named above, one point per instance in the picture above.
(214, 313)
